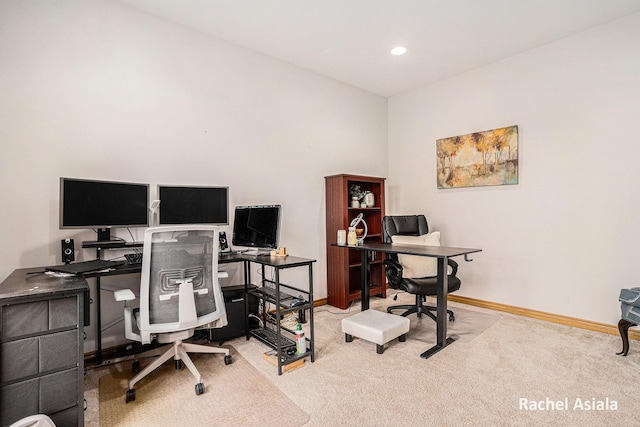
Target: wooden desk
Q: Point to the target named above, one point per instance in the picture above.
(442, 253)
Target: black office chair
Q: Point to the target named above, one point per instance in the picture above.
(421, 287)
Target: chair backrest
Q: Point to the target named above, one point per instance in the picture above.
(39, 420)
(179, 288)
(405, 225)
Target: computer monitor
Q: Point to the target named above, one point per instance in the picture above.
(256, 226)
(193, 205)
(102, 205)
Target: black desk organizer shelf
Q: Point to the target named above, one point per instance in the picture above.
(286, 299)
(269, 334)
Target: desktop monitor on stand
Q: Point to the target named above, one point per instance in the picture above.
(257, 227)
(103, 205)
(181, 204)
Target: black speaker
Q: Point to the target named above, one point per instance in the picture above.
(223, 241)
(68, 251)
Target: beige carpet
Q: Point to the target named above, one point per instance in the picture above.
(480, 380)
(477, 381)
(467, 326)
(235, 395)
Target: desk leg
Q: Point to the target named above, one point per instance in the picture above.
(246, 265)
(313, 340)
(98, 358)
(364, 280)
(441, 330)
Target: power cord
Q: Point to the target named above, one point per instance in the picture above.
(251, 315)
(290, 320)
(345, 311)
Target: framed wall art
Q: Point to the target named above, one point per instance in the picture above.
(478, 159)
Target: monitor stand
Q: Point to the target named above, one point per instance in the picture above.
(104, 234)
(263, 252)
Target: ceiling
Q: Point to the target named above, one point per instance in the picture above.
(350, 40)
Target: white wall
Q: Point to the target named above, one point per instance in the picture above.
(564, 240)
(95, 89)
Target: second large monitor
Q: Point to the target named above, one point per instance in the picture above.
(193, 205)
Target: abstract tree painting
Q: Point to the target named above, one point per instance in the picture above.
(478, 159)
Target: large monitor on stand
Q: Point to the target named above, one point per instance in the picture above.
(180, 204)
(103, 205)
(256, 226)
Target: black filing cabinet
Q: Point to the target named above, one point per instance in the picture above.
(234, 300)
(41, 348)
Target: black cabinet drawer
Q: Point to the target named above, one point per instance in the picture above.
(234, 304)
(51, 397)
(17, 401)
(24, 319)
(39, 316)
(40, 354)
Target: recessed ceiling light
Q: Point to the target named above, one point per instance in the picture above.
(399, 50)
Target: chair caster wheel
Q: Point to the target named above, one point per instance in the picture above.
(199, 389)
(131, 395)
(135, 367)
(228, 359)
(178, 365)
(452, 318)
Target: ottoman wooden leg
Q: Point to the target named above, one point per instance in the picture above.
(402, 338)
(379, 349)
(348, 338)
(623, 327)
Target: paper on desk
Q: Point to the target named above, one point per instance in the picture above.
(56, 274)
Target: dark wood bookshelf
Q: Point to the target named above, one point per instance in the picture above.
(343, 266)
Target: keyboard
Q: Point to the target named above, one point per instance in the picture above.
(135, 258)
(85, 266)
(271, 336)
(272, 293)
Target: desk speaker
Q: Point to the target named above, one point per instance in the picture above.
(224, 245)
(68, 251)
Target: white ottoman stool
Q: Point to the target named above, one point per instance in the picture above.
(375, 326)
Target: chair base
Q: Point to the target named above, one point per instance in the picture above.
(178, 350)
(419, 309)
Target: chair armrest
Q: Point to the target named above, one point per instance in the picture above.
(454, 266)
(124, 295)
(393, 270)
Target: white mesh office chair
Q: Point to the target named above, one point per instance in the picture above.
(39, 420)
(179, 292)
